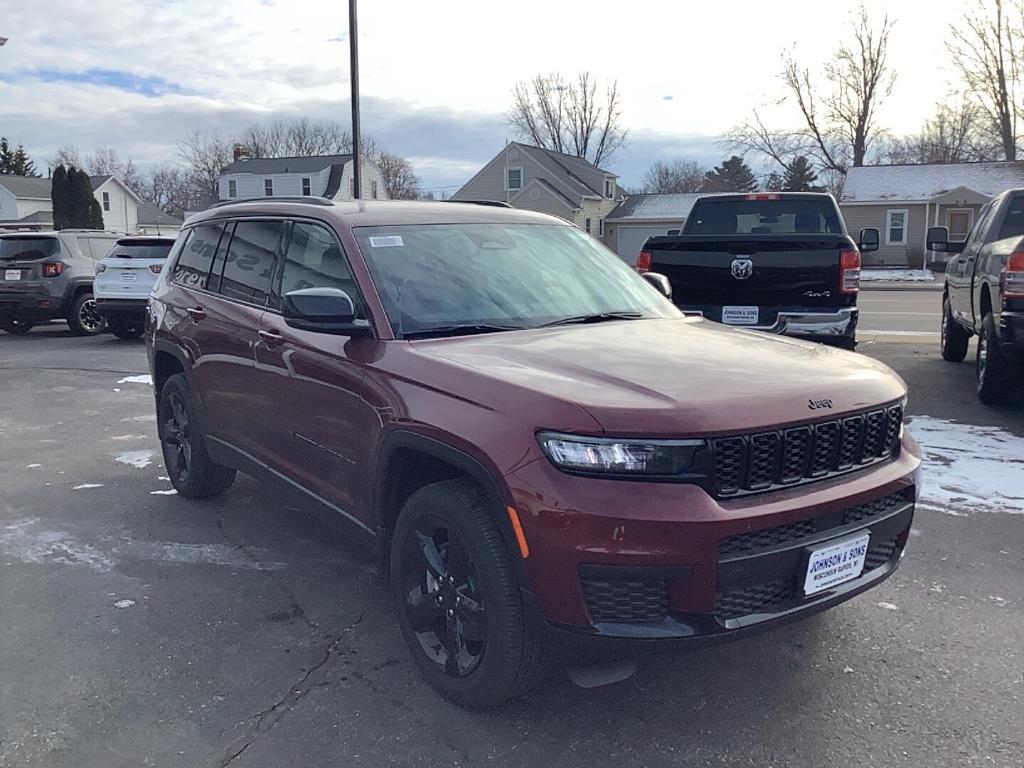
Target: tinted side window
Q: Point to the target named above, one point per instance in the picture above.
(192, 268)
(1013, 219)
(249, 266)
(314, 259)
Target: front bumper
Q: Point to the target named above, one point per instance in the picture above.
(653, 564)
(819, 325)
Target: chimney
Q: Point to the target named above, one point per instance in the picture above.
(239, 151)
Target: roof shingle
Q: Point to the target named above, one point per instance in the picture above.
(871, 183)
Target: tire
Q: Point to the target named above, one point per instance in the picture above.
(996, 373)
(16, 327)
(953, 338)
(498, 653)
(84, 319)
(193, 473)
(848, 343)
(125, 328)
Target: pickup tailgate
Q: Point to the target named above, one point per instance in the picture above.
(772, 273)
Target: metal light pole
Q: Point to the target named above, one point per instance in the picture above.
(353, 49)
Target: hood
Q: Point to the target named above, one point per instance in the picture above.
(674, 377)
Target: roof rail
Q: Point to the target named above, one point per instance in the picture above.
(91, 231)
(304, 199)
(492, 203)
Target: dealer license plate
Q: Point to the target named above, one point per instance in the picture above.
(128, 277)
(739, 315)
(836, 563)
(12, 274)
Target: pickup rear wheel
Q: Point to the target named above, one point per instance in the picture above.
(997, 374)
(954, 339)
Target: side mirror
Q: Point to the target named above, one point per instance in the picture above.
(323, 310)
(868, 240)
(938, 240)
(660, 282)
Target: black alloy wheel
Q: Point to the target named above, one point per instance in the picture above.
(443, 601)
(176, 436)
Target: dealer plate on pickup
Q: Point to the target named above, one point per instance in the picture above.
(739, 315)
(12, 274)
(836, 563)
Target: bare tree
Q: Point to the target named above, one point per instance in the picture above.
(986, 51)
(838, 121)
(954, 134)
(574, 116)
(68, 156)
(674, 176)
(204, 154)
(302, 137)
(400, 181)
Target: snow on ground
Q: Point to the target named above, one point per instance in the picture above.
(893, 276)
(137, 459)
(144, 378)
(969, 468)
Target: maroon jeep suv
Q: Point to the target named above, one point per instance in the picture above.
(542, 450)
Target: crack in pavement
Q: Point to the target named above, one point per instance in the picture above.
(295, 692)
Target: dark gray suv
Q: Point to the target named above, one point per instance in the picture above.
(48, 276)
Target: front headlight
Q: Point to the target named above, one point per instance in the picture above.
(619, 456)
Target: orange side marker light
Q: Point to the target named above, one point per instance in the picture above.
(524, 548)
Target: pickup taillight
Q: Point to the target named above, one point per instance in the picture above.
(1011, 280)
(849, 271)
(52, 268)
(644, 262)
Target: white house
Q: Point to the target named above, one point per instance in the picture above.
(119, 204)
(26, 204)
(329, 176)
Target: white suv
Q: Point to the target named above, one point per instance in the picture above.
(124, 279)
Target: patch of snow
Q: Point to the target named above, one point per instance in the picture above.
(27, 541)
(144, 417)
(121, 438)
(191, 554)
(33, 466)
(164, 478)
(87, 485)
(847, 670)
(144, 378)
(888, 606)
(893, 276)
(124, 603)
(137, 459)
(969, 468)
(169, 492)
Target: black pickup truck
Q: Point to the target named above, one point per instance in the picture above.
(984, 296)
(779, 262)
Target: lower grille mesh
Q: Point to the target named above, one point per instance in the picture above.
(612, 600)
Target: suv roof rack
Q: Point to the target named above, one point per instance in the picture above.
(91, 231)
(492, 203)
(304, 199)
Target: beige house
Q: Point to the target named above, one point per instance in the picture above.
(542, 180)
(902, 201)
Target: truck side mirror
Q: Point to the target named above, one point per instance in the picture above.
(868, 240)
(938, 239)
(660, 282)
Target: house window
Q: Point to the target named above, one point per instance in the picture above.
(586, 223)
(268, 187)
(513, 179)
(609, 188)
(600, 227)
(373, 190)
(896, 227)
(106, 201)
(232, 188)
(307, 187)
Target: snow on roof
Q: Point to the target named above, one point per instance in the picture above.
(671, 206)
(924, 182)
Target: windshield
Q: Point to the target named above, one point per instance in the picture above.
(141, 249)
(502, 275)
(783, 216)
(27, 247)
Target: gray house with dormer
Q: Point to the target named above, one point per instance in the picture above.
(543, 180)
(329, 176)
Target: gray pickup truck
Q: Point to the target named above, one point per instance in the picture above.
(984, 296)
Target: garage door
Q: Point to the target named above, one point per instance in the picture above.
(632, 239)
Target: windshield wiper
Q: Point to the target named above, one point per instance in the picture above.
(466, 329)
(599, 317)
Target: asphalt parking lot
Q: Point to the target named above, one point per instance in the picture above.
(140, 629)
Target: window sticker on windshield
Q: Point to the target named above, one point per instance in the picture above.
(387, 241)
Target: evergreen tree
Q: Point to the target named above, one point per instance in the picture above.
(95, 212)
(772, 182)
(77, 199)
(800, 177)
(59, 196)
(21, 164)
(6, 156)
(733, 175)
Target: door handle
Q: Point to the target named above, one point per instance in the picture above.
(271, 338)
(196, 313)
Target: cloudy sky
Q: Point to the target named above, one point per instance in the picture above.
(436, 76)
